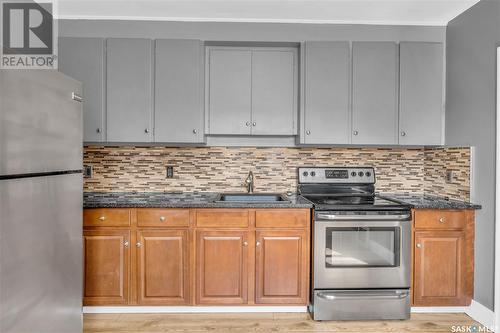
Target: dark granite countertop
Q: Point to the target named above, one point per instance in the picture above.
(178, 200)
(430, 201)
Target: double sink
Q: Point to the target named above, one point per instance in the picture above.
(251, 198)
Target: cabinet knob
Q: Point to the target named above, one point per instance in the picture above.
(247, 123)
(355, 133)
(162, 218)
(126, 244)
(138, 244)
(195, 131)
(245, 243)
(254, 124)
(308, 132)
(98, 130)
(146, 130)
(403, 133)
(419, 245)
(102, 218)
(258, 243)
(441, 220)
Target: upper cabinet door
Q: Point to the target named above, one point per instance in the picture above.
(374, 97)
(421, 94)
(179, 113)
(274, 100)
(129, 98)
(230, 86)
(326, 116)
(83, 60)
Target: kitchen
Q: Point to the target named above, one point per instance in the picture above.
(273, 170)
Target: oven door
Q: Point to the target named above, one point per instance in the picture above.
(362, 251)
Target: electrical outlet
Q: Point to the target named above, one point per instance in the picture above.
(170, 171)
(450, 176)
(87, 171)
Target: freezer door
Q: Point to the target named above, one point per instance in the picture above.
(41, 254)
(40, 123)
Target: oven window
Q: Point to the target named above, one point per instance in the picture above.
(362, 247)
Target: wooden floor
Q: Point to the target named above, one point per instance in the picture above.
(263, 322)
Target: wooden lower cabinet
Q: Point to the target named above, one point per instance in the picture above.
(222, 267)
(282, 272)
(162, 267)
(106, 267)
(443, 252)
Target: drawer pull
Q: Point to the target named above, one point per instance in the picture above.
(138, 244)
(162, 218)
(245, 243)
(258, 244)
(419, 245)
(126, 244)
(102, 218)
(441, 220)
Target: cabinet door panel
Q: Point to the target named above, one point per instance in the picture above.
(163, 267)
(421, 94)
(230, 82)
(83, 60)
(439, 268)
(374, 99)
(326, 93)
(273, 92)
(179, 91)
(222, 273)
(281, 270)
(106, 267)
(129, 95)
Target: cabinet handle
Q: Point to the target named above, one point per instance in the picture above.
(245, 243)
(126, 244)
(76, 97)
(195, 131)
(138, 244)
(308, 132)
(403, 133)
(98, 130)
(247, 123)
(441, 220)
(355, 132)
(146, 130)
(258, 243)
(102, 218)
(254, 124)
(162, 218)
(419, 245)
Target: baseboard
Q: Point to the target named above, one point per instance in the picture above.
(192, 309)
(439, 309)
(482, 314)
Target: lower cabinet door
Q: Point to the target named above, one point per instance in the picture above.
(106, 267)
(439, 270)
(281, 274)
(163, 267)
(222, 267)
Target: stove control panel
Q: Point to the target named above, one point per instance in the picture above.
(336, 175)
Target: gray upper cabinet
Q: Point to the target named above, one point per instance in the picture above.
(274, 101)
(325, 117)
(179, 112)
(83, 60)
(230, 91)
(421, 94)
(374, 95)
(252, 90)
(129, 92)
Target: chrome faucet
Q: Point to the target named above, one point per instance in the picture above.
(249, 182)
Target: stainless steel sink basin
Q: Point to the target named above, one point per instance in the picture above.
(251, 198)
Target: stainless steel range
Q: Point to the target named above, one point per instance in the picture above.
(361, 246)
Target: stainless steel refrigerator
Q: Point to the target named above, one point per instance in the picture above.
(40, 202)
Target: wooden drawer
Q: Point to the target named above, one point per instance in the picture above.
(153, 217)
(229, 218)
(281, 218)
(106, 217)
(440, 219)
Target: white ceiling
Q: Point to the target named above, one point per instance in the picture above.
(391, 12)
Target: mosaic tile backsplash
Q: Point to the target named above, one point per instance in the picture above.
(223, 169)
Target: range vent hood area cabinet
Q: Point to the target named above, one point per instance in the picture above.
(323, 93)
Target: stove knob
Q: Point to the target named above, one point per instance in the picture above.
(305, 173)
(353, 174)
(361, 174)
(368, 174)
(313, 173)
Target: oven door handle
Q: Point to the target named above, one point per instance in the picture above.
(381, 295)
(334, 217)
